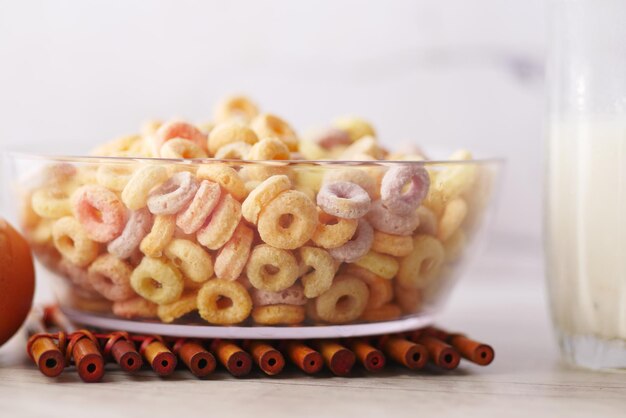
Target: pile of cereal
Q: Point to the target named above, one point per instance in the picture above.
(234, 241)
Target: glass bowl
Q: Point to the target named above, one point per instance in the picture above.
(252, 249)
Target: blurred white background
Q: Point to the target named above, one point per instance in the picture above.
(442, 73)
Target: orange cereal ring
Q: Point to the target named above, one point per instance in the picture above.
(160, 235)
(396, 245)
(271, 126)
(71, 240)
(422, 266)
(333, 232)
(235, 151)
(135, 308)
(228, 133)
(224, 302)
(225, 176)
(323, 265)
(51, 202)
(135, 194)
(344, 302)
(428, 221)
(221, 225)
(232, 258)
(409, 299)
(207, 197)
(262, 195)
(382, 265)
(182, 148)
(100, 211)
(288, 221)
(110, 277)
(192, 260)
(267, 149)
(271, 269)
(187, 303)
(238, 108)
(387, 312)
(178, 129)
(381, 290)
(156, 280)
(279, 314)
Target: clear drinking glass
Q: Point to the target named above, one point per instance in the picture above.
(586, 181)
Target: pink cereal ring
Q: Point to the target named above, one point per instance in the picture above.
(138, 225)
(386, 221)
(293, 295)
(394, 180)
(331, 137)
(179, 129)
(203, 203)
(358, 246)
(100, 212)
(173, 195)
(343, 199)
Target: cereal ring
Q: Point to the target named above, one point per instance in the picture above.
(355, 127)
(396, 245)
(200, 208)
(343, 199)
(333, 232)
(422, 266)
(455, 245)
(238, 150)
(160, 235)
(110, 277)
(182, 148)
(381, 265)
(387, 312)
(363, 149)
(310, 150)
(135, 308)
(224, 302)
(331, 137)
(77, 275)
(271, 268)
(225, 176)
(42, 232)
(232, 258)
(408, 298)
(381, 290)
(157, 281)
(137, 227)
(393, 184)
(428, 221)
(288, 221)
(267, 149)
(135, 194)
(114, 176)
(71, 240)
(323, 265)
(100, 211)
(173, 195)
(228, 133)
(278, 314)
(179, 129)
(262, 195)
(344, 302)
(187, 303)
(271, 126)
(358, 246)
(453, 216)
(51, 202)
(190, 258)
(384, 220)
(238, 108)
(221, 225)
(293, 295)
(118, 147)
(353, 175)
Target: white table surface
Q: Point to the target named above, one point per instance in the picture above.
(501, 301)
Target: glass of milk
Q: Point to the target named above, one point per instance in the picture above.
(586, 181)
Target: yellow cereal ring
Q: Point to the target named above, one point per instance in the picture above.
(262, 195)
(162, 232)
(420, 267)
(323, 265)
(268, 149)
(221, 225)
(225, 176)
(114, 176)
(190, 258)
(51, 202)
(135, 308)
(228, 133)
(311, 150)
(382, 265)
(395, 245)
(387, 312)
(156, 280)
(135, 194)
(344, 302)
(110, 277)
(455, 245)
(363, 149)
(238, 150)
(355, 127)
(271, 269)
(118, 147)
(288, 221)
(310, 177)
(408, 298)
(187, 303)
(359, 176)
(42, 233)
(224, 302)
(233, 256)
(237, 108)
(71, 240)
(381, 290)
(267, 125)
(182, 148)
(456, 178)
(333, 232)
(278, 314)
(453, 216)
(428, 221)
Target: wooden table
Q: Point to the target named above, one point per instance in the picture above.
(501, 301)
